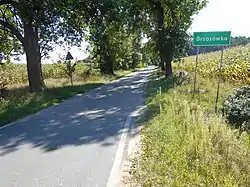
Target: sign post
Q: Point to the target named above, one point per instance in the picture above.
(222, 38)
(69, 69)
(219, 78)
(196, 68)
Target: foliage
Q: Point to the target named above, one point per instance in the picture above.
(5, 45)
(9, 45)
(182, 77)
(236, 64)
(185, 145)
(52, 22)
(114, 38)
(169, 22)
(237, 107)
(114, 28)
(38, 25)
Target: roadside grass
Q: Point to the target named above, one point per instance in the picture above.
(186, 144)
(20, 103)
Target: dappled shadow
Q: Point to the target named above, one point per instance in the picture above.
(97, 117)
(21, 103)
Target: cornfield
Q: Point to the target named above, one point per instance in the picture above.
(235, 67)
(17, 73)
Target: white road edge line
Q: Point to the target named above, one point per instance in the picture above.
(115, 174)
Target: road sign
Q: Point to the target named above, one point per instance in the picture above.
(221, 38)
(69, 56)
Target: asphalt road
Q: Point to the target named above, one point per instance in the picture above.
(74, 143)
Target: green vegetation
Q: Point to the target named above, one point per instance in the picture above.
(115, 31)
(236, 108)
(235, 64)
(187, 144)
(184, 142)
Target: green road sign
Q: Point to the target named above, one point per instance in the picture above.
(212, 38)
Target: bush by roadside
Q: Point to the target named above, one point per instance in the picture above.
(236, 108)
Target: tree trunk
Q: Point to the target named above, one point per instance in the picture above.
(33, 56)
(168, 56)
(160, 22)
(125, 63)
(134, 60)
(107, 60)
(169, 70)
(107, 65)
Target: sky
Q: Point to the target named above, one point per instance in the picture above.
(218, 15)
(224, 15)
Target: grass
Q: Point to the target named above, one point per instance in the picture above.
(186, 144)
(20, 103)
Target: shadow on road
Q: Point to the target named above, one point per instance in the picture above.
(96, 117)
(23, 103)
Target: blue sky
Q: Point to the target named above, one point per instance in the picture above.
(219, 15)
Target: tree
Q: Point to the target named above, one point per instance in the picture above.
(113, 24)
(9, 44)
(170, 20)
(5, 45)
(177, 19)
(37, 25)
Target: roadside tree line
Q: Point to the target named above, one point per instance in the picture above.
(121, 33)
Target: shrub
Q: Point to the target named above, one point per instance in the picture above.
(182, 77)
(236, 107)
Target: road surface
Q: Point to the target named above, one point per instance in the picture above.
(73, 144)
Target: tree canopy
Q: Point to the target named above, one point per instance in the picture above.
(37, 25)
(115, 30)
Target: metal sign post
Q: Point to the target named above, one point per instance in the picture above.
(219, 78)
(196, 68)
(221, 38)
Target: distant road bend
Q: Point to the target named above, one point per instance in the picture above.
(73, 144)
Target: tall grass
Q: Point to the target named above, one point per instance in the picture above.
(187, 144)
